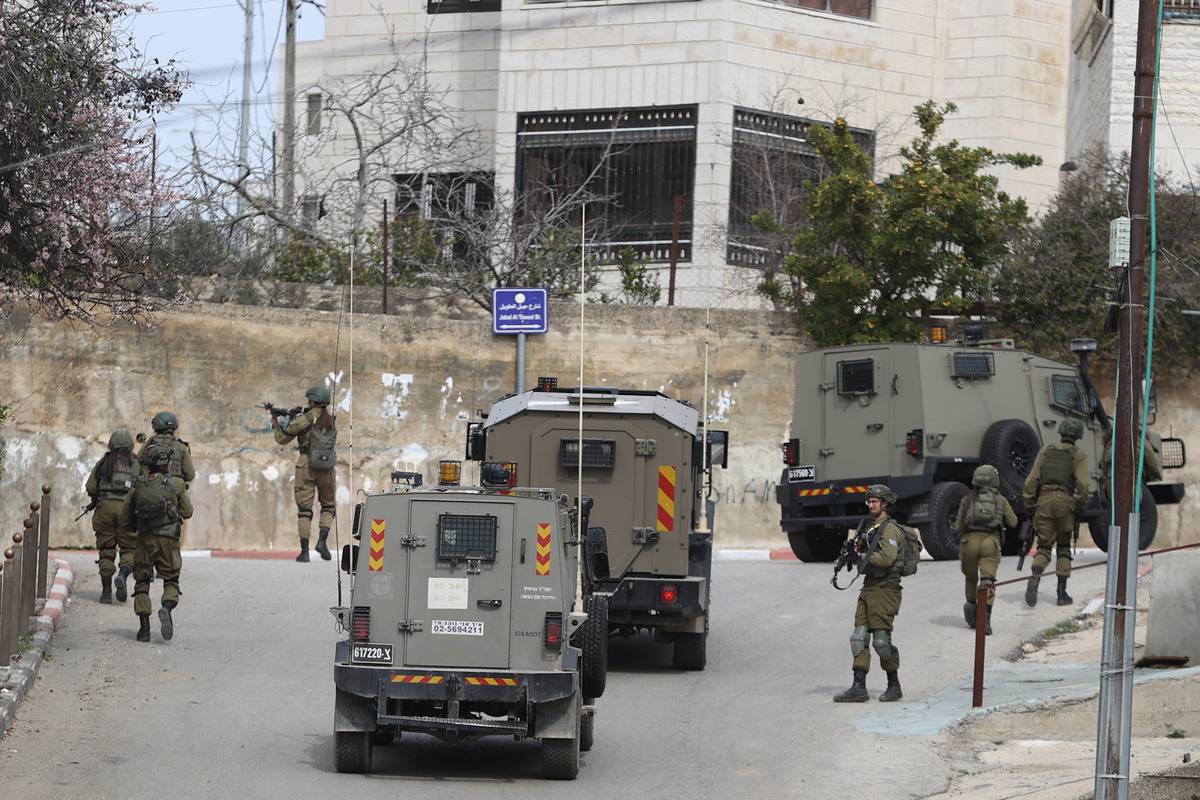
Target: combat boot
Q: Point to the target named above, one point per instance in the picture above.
(122, 589)
(892, 693)
(988, 630)
(1031, 588)
(1064, 599)
(857, 693)
(143, 634)
(303, 550)
(106, 589)
(165, 622)
(323, 548)
(969, 614)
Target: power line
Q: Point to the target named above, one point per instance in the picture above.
(156, 12)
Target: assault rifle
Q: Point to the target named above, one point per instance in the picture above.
(91, 506)
(276, 411)
(1025, 536)
(852, 550)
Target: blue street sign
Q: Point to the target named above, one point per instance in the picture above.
(520, 311)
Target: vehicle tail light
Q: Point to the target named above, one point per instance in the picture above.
(360, 624)
(547, 384)
(552, 631)
(791, 452)
(668, 593)
(914, 443)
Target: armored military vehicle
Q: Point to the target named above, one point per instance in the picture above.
(461, 620)
(920, 418)
(644, 462)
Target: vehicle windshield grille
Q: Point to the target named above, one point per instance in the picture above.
(597, 453)
(973, 365)
(463, 536)
(1067, 393)
(856, 377)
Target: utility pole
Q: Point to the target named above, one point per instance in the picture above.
(386, 254)
(244, 122)
(1116, 702)
(289, 111)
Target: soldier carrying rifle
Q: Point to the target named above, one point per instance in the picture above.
(315, 431)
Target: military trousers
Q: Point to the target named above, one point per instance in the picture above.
(319, 482)
(111, 537)
(878, 604)
(979, 557)
(156, 554)
(1054, 522)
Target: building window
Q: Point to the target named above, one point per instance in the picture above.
(1177, 9)
(443, 196)
(310, 210)
(460, 6)
(844, 8)
(1105, 7)
(772, 167)
(314, 114)
(641, 160)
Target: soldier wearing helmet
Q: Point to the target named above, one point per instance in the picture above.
(315, 432)
(878, 600)
(1058, 487)
(166, 425)
(982, 515)
(110, 481)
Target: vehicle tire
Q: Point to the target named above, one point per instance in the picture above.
(560, 757)
(592, 639)
(939, 535)
(691, 649)
(816, 544)
(1011, 446)
(1148, 528)
(382, 737)
(353, 751)
(587, 730)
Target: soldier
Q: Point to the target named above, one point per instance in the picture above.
(156, 507)
(316, 433)
(981, 516)
(1057, 487)
(110, 481)
(878, 601)
(165, 425)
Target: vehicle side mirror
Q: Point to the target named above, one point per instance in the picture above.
(597, 553)
(476, 442)
(718, 449)
(349, 558)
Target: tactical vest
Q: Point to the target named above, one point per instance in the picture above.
(1058, 466)
(985, 512)
(908, 550)
(319, 445)
(121, 481)
(156, 506)
(160, 442)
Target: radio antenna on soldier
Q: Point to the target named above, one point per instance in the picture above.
(580, 551)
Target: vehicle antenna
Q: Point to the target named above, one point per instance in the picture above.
(706, 467)
(334, 380)
(579, 449)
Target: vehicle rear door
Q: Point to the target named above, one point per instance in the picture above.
(858, 439)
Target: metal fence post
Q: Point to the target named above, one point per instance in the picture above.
(29, 548)
(14, 591)
(44, 544)
(6, 573)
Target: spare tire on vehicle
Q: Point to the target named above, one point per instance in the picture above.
(1098, 525)
(940, 535)
(1011, 446)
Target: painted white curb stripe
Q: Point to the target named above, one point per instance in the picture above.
(196, 553)
(743, 554)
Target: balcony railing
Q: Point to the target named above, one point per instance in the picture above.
(1181, 9)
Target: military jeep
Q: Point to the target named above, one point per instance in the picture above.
(461, 621)
(920, 418)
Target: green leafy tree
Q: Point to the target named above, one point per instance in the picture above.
(639, 285)
(874, 256)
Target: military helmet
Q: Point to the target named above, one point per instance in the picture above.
(882, 492)
(164, 421)
(318, 395)
(986, 476)
(1071, 429)
(121, 439)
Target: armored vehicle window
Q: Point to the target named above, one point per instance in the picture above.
(1066, 392)
(856, 377)
(597, 453)
(975, 365)
(462, 536)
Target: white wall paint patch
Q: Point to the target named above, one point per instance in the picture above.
(69, 446)
(270, 473)
(214, 479)
(399, 384)
(414, 453)
(343, 494)
(725, 402)
(230, 479)
(447, 388)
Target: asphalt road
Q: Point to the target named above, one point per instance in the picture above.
(240, 703)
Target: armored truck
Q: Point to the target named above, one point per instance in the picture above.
(644, 462)
(461, 620)
(920, 418)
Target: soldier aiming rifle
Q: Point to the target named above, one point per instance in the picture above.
(275, 411)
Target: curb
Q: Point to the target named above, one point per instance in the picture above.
(22, 672)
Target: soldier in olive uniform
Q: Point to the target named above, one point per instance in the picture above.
(165, 426)
(1058, 487)
(316, 433)
(156, 508)
(878, 601)
(110, 481)
(982, 515)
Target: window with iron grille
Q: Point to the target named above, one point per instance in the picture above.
(856, 377)
(597, 453)
(773, 169)
(1067, 393)
(463, 536)
(445, 200)
(973, 365)
(1180, 9)
(310, 210)
(844, 8)
(313, 126)
(639, 159)
(460, 6)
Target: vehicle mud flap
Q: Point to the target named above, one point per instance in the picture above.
(557, 719)
(353, 713)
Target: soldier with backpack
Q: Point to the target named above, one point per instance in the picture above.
(156, 508)
(982, 515)
(1057, 487)
(166, 425)
(111, 480)
(315, 430)
(890, 551)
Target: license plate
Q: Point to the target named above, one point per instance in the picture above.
(366, 653)
(456, 627)
(802, 474)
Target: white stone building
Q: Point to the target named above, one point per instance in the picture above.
(686, 83)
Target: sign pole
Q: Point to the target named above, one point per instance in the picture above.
(520, 363)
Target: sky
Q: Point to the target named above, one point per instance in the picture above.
(205, 37)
